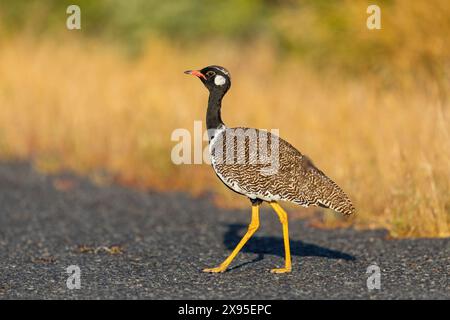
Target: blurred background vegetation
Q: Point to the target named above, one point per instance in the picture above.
(369, 106)
(327, 33)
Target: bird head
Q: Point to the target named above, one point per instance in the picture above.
(215, 78)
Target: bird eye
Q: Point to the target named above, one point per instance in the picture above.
(210, 73)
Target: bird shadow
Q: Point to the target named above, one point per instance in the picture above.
(262, 245)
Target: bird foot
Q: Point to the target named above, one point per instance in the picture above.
(280, 270)
(215, 270)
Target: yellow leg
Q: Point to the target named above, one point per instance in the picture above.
(287, 251)
(253, 226)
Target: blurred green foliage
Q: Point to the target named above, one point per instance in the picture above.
(133, 20)
(327, 33)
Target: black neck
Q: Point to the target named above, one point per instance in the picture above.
(213, 119)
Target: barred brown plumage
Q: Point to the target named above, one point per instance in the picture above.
(297, 179)
(263, 167)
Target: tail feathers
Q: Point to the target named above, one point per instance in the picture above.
(346, 208)
(317, 189)
(336, 200)
(329, 194)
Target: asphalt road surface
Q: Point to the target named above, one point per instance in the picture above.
(146, 245)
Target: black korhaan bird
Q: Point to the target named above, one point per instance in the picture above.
(284, 175)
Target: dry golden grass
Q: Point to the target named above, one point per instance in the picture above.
(82, 106)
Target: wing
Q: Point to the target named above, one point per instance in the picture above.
(259, 164)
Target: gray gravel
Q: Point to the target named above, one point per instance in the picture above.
(163, 241)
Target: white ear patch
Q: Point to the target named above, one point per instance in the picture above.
(219, 80)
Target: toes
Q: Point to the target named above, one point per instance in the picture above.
(214, 270)
(280, 270)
